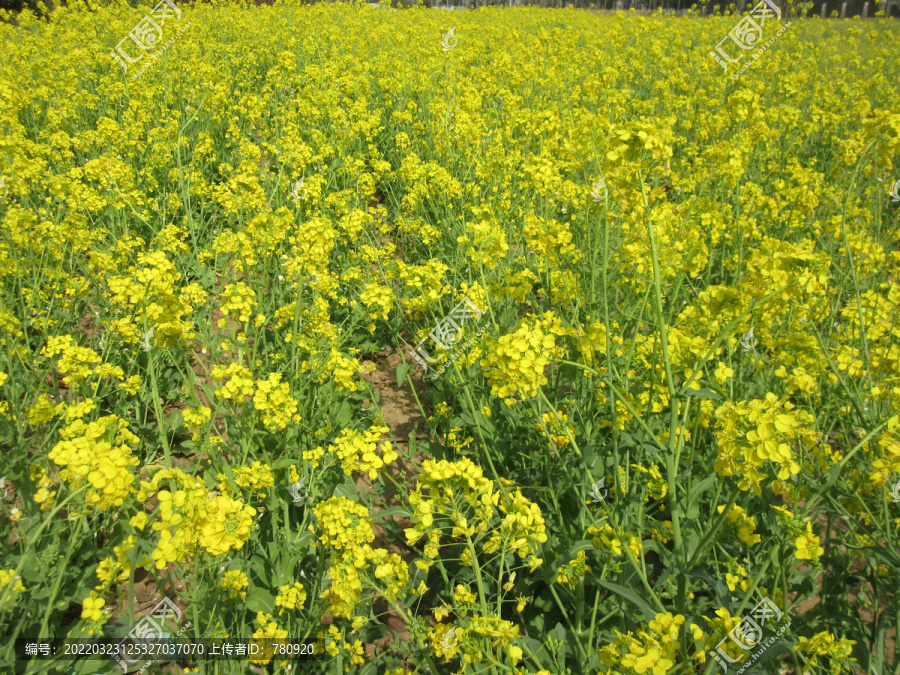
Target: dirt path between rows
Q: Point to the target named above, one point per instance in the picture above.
(403, 417)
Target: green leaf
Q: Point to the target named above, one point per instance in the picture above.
(402, 371)
(831, 475)
(401, 511)
(372, 631)
(703, 393)
(879, 651)
(692, 541)
(631, 596)
(344, 416)
(260, 600)
(652, 446)
(559, 632)
(536, 647)
(176, 422)
(542, 603)
(692, 508)
(259, 566)
(347, 489)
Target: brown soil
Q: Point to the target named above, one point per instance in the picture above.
(401, 414)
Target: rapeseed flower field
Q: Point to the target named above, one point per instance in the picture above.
(512, 340)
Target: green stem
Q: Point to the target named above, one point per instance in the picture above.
(75, 540)
(715, 528)
(862, 320)
(157, 407)
(25, 557)
(565, 615)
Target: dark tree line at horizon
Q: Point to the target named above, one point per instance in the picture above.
(43, 8)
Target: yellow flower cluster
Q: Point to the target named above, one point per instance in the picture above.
(380, 296)
(42, 411)
(342, 370)
(522, 527)
(557, 425)
(196, 417)
(237, 299)
(744, 524)
(657, 488)
(235, 581)
(515, 363)
(239, 385)
(97, 454)
(267, 636)
(258, 477)
(630, 140)
(652, 650)
(445, 640)
(550, 241)
(605, 537)
(356, 451)
(76, 361)
(290, 597)
(43, 493)
(334, 644)
(149, 290)
(807, 545)
(738, 578)
(9, 580)
(465, 503)
(486, 238)
(119, 566)
(392, 571)
(720, 625)
(424, 280)
(574, 570)
(455, 489)
(500, 632)
(191, 517)
(826, 644)
(750, 433)
(273, 398)
(344, 526)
